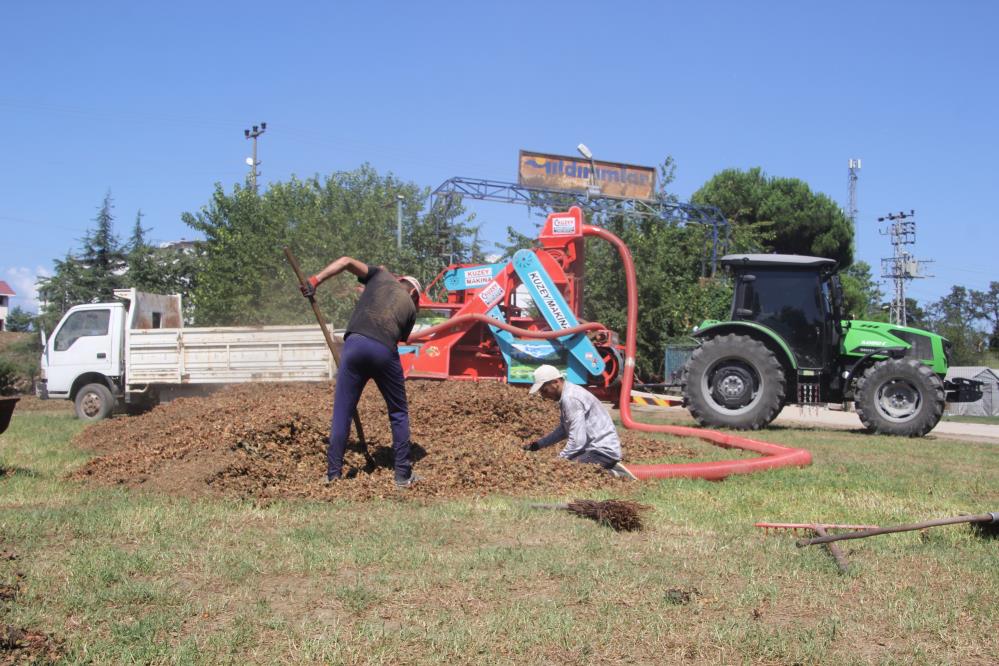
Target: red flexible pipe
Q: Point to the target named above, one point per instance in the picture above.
(773, 455)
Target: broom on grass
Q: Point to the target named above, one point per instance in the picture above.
(619, 515)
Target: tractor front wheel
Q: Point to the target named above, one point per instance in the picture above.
(733, 381)
(900, 397)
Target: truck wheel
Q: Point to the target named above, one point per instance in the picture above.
(733, 381)
(901, 397)
(94, 402)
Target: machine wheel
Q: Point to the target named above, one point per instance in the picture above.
(900, 397)
(94, 402)
(613, 367)
(733, 381)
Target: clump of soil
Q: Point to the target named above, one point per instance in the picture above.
(269, 441)
(23, 646)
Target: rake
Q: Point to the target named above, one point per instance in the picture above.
(821, 530)
(619, 515)
(984, 524)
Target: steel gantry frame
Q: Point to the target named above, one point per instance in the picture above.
(669, 211)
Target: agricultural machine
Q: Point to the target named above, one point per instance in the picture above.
(786, 342)
(490, 332)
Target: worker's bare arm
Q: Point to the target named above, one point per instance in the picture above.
(349, 264)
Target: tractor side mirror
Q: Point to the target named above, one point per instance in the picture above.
(837, 293)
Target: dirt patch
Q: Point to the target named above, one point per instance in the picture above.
(269, 441)
(22, 646)
(31, 403)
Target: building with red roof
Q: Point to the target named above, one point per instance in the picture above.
(5, 293)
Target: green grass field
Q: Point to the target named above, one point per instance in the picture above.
(118, 576)
(986, 420)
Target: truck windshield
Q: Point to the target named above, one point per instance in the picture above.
(81, 324)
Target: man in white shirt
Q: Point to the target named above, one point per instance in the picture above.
(582, 420)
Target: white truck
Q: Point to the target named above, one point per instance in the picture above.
(130, 354)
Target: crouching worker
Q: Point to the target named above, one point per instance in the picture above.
(583, 421)
(384, 315)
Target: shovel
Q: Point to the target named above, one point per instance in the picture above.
(333, 351)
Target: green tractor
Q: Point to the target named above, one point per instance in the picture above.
(786, 342)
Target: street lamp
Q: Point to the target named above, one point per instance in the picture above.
(592, 189)
(252, 162)
(398, 221)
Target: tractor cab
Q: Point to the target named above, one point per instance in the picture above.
(798, 298)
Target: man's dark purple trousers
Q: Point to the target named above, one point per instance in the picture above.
(363, 359)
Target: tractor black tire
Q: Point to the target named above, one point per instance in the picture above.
(733, 381)
(900, 397)
(94, 402)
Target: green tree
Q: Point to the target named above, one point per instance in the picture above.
(61, 291)
(800, 221)
(88, 277)
(986, 306)
(143, 273)
(18, 320)
(862, 295)
(245, 279)
(953, 317)
(103, 256)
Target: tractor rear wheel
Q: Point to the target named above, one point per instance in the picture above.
(733, 381)
(901, 397)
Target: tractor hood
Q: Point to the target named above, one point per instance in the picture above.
(866, 337)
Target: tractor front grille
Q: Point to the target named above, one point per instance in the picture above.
(922, 346)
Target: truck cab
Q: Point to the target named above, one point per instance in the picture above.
(85, 347)
(84, 358)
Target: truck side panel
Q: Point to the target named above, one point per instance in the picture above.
(228, 355)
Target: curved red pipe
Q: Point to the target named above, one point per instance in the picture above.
(773, 455)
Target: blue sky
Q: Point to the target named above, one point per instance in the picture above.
(150, 100)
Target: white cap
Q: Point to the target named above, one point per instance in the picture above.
(544, 374)
(412, 281)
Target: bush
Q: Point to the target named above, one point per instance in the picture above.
(8, 377)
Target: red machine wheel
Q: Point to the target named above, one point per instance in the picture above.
(613, 367)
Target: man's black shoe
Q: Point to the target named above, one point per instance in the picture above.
(407, 483)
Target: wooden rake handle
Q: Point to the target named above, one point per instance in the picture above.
(980, 518)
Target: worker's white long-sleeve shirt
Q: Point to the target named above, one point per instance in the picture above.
(587, 425)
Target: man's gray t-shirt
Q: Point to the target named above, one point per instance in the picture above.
(385, 312)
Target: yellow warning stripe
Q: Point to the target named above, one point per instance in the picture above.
(658, 402)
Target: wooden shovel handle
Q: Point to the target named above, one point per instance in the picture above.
(329, 341)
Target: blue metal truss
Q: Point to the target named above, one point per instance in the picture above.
(597, 205)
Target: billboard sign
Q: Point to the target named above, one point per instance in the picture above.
(559, 172)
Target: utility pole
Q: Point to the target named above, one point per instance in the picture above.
(852, 211)
(901, 266)
(252, 161)
(398, 222)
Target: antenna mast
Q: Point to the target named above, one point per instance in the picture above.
(852, 210)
